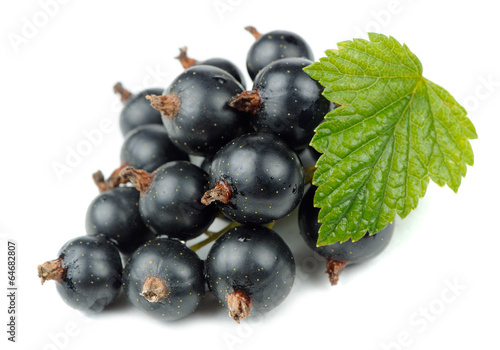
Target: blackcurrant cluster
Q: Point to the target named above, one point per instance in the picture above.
(158, 200)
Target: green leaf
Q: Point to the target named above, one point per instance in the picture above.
(392, 132)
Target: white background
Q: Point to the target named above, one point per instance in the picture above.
(57, 83)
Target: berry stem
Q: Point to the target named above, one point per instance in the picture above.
(253, 31)
(168, 105)
(184, 59)
(124, 93)
(221, 192)
(141, 179)
(101, 184)
(247, 101)
(212, 236)
(113, 181)
(239, 304)
(154, 289)
(51, 270)
(309, 174)
(334, 268)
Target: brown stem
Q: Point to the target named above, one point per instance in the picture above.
(51, 270)
(101, 184)
(334, 268)
(141, 179)
(124, 93)
(222, 192)
(247, 101)
(253, 31)
(239, 304)
(185, 60)
(115, 180)
(154, 289)
(168, 105)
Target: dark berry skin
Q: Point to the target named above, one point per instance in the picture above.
(291, 103)
(203, 122)
(148, 147)
(264, 175)
(253, 261)
(347, 252)
(273, 46)
(309, 156)
(114, 214)
(180, 270)
(91, 272)
(228, 66)
(137, 111)
(221, 63)
(171, 204)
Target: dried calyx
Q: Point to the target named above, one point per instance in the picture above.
(113, 181)
(222, 192)
(184, 59)
(124, 93)
(169, 105)
(253, 31)
(154, 289)
(141, 179)
(334, 268)
(247, 101)
(239, 304)
(51, 270)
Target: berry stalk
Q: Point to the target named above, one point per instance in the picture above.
(124, 93)
(213, 236)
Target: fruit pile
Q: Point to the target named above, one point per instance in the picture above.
(157, 201)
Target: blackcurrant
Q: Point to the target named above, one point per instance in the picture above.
(148, 146)
(88, 273)
(339, 255)
(255, 179)
(114, 214)
(170, 199)
(137, 110)
(285, 101)
(164, 278)
(196, 113)
(273, 46)
(250, 270)
(221, 63)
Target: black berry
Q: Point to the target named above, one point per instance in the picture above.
(88, 273)
(114, 214)
(339, 255)
(256, 179)
(136, 110)
(221, 63)
(170, 199)
(273, 46)
(165, 279)
(196, 113)
(147, 147)
(285, 101)
(250, 270)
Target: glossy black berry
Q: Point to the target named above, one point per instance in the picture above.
(88, 273)
(273, 46)
(165, 279)
(339, 255)
(196, 113)
(114, 214)
(170, 199)
(250, 270)
(137, 110)
(285, 101)
(256, 179)
(221, 63)
(309, 156)
(148, 147)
